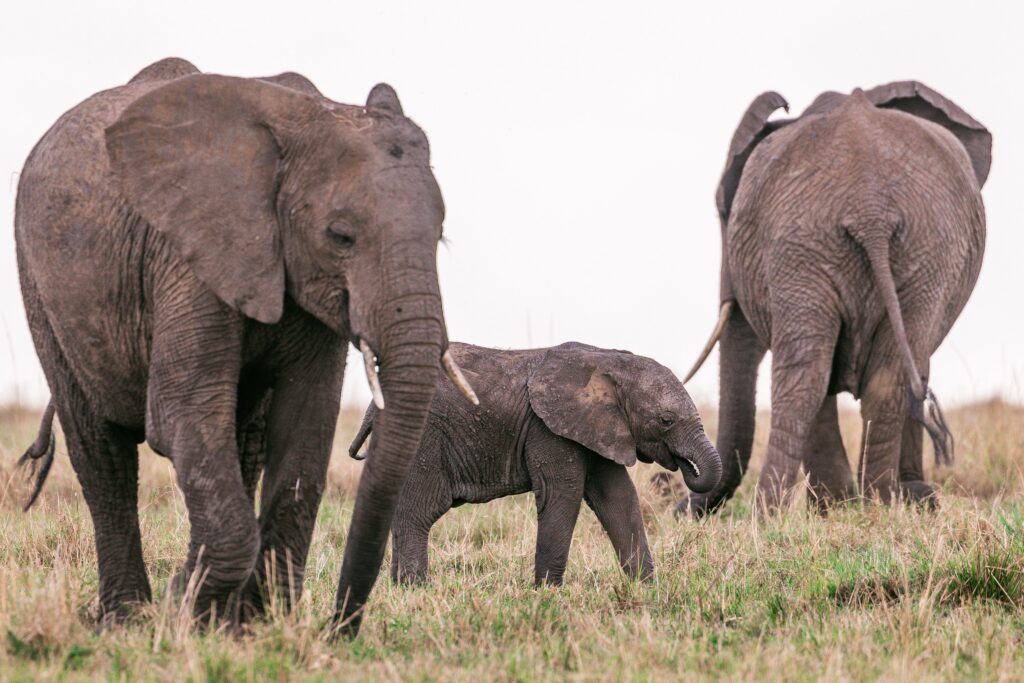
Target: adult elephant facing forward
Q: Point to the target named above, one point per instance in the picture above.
(194, 248)
(852, 237)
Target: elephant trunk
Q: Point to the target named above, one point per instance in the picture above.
(701, 464)
(412, 339)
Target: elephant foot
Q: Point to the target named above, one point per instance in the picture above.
(920, 493)
(822, 501)
(411, 579)
(120, 612)
(213, 604)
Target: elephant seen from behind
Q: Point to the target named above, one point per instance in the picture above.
(852, 237)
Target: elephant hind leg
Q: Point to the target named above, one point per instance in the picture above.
(802, 358)
(884, 410)
(913, 486)
(828, 468)
(106, 460)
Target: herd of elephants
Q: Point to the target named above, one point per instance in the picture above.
(196, 252)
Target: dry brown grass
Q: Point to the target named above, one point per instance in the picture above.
(867, 593)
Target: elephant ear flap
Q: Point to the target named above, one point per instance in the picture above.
(920, 100)
(574, 393)
(197, 159)
(384, 98)
(753, 128)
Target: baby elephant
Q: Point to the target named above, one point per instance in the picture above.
(563, 422)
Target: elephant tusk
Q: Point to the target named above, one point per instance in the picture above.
(370, 363)
(723, 318)
(458, 379)
(696, 470)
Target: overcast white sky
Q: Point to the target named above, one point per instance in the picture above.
(578, 144)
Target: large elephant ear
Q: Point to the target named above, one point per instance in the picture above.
(920, 100)
(573, 391)
(753, 128)
(197, 159)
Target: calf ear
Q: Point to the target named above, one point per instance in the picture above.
(575, 394)
(753, 128)
(198, 160)
(920, 100)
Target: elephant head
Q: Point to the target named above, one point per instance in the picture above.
(623, 407)
(267, 189)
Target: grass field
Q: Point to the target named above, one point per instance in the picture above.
(868, 593)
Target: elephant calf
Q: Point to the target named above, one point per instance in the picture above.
(563, 422)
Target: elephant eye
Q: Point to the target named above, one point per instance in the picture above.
(667, 419)
(340, 233)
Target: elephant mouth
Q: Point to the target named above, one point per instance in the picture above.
(689, 466)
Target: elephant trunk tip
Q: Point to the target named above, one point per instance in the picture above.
(702, 469)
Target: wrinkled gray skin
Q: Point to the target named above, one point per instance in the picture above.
(563, 422)
(196, 252)
(852, 237)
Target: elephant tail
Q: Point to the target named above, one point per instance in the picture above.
(41, 453)
(924, 406)
(362, 434)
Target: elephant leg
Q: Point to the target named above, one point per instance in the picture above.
(425, 498)
(190, 416)
(301, 422)
(107, 464)
(611, 495)
(557, 471)
(740, 354)
(825, 461)
(884, 410)
(913, 486)
(802, 357)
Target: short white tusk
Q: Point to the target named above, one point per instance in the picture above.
(370, 363)
(458, 379)
(693, 465)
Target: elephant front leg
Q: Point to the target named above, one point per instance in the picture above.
(190, 417)
(612, 496)
(558, 472)
(740, 355)
(828, 468)
(300, 429)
